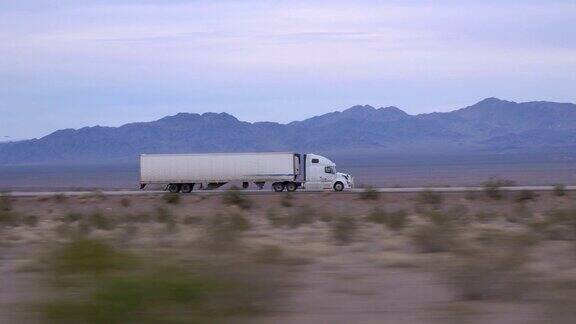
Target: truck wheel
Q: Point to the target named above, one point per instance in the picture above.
(291, 186)
(278, 186)
(338, 186)
(174, 188)
(187, 187)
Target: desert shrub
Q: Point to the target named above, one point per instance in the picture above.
(59, 198)
(238, 222)
(492, 187)
(296, 218)
(72, 217)
(377, 215)
(158, 291)
(520, 214)
(460, 214)
(287, 200)
(223, 231)
(343, 229)
(561, 224)
(484, 216)
(125, 202)
(171, 198)
(488, 272)
(525, 195)
(369, 194)
(274, 218)
(560, 190)
(302, 216)
(87, 257)
(429, 197)
(10, 219)
(325, 216)
(101, 221)
(395, 220)
(97, 195)
(83, 228)
(438, 235)
(163, 215)
(30, 220)
(5, 203)
(437, 217)
(233, 197)
(432, 238)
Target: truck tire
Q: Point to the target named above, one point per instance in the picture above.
(291, 186)
(338, 186)
(174, 188)
(187, 188)
(278, 186)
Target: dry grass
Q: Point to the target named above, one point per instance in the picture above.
(429, 197)
(171, 198)
(492, 187)
(395, 220)
(287, 200)
(369, 194)
(438, 234)
(525, 195)
(233, 197)
(125, 202)
(560, 190)
(343, 229)
(489, 272)
(135, 289)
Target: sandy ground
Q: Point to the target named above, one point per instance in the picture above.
(375, 275)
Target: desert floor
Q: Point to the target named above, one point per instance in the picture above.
(485, 257)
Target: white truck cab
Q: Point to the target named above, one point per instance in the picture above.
(320, 174)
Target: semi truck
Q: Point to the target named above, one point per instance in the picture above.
(282, 170)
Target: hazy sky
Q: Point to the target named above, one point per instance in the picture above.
(81, 63)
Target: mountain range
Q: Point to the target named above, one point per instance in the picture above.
(491, 124)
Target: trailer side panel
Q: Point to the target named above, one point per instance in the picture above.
(188, 168)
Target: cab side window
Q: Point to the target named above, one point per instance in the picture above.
(328, 170)
(315, 161)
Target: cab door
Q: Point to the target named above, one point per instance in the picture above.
(328, 176)
(314, 174)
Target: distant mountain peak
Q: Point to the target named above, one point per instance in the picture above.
(392, 109)
(492, 101)
(359, 108)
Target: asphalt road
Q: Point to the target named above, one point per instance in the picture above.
(268, 191)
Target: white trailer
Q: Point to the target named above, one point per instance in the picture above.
(284, 170)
